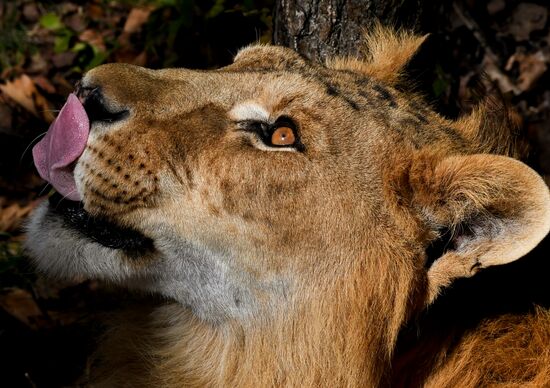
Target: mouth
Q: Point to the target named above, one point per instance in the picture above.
(99, 230)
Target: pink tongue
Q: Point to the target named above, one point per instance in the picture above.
(55, 154)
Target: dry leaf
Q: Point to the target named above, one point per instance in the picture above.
(44, 84)
(141, 59)
(64, 59)
(531, 68)
(527, 17)
(76, 22)
(494, 73)
(63, 86)
(23, 91)
(130, 56)
(21, 305)
(464, 92)
(136, 19)
(94, 38)
(6, 118)
(45, 289)
(31, 13)
(495, 6)
(95, 11)
(67, 7)
(12, 215)
(38, 64)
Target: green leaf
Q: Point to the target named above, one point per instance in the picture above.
(167, 3)
(61, 43)
(441, 82)
(248, 5)
(216, 9)
(98, 59)
(79, 47)
(10, 255)
(8, 264)
(439, 87)
(51, 21)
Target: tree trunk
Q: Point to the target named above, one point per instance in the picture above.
(323, 28)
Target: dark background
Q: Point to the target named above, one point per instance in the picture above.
(48, 328)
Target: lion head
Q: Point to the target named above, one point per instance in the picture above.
(291, 200)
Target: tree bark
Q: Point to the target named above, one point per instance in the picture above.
(324, 28)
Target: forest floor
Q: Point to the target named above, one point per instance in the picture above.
(48, 328)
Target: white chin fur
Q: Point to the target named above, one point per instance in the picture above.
(61, 252)
(194, 277)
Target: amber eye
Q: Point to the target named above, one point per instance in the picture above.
(283, 136)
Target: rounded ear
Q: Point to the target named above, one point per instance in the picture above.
(496, 208)
(263, 57)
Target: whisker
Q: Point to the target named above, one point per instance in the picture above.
(46, 186)
(31, 144)
(64, 197)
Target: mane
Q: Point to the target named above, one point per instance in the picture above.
(496, 319)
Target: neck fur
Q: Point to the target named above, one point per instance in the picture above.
(344, 339)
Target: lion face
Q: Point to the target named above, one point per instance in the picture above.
(261, 186)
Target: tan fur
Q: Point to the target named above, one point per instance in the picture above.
(493, 128)
(459, 188)
(385, 54)
(330, 241)
(514, 346)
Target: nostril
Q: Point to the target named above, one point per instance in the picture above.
(96, 107)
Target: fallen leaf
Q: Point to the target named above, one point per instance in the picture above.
(493, 71)
(540, 133)
(527, 17)
(44, 84)
(63, 86)
(21, 305)
(67, 7)
(12, 215)
(20, 90)
(64, 59)
(131, 57)
(495, 6)
(38, 64)
(31, 12)
(76, 22)
(136, 19)
(95, 11)
(23, 91)
(464, 91)
(140, 60)
(45, 289)
(64, 318)
(93, 38)
(531, 68)
(6, 118)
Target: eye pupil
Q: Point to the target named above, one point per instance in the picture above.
(283, 136)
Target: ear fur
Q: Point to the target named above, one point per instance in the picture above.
(267, 57)
(493, 127)
(384, 54)
(497, 208)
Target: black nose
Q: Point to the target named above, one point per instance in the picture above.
(97, 107)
